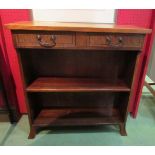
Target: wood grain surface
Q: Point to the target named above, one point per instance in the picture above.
(82, 27)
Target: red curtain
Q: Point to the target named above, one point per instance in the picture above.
(141, 18)
(7, 16)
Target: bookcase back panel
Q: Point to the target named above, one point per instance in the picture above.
(109, 101)
(108, 65)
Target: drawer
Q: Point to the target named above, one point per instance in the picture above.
(123, 41)
(46, 39)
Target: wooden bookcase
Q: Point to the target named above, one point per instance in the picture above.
(77, 74)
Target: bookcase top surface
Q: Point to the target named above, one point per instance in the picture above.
(75, 26)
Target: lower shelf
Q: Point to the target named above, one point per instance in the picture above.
(76, 117)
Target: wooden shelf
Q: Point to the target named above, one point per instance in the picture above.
(78, 117)
(49, 84)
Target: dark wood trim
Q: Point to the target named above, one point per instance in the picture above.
(4, 116)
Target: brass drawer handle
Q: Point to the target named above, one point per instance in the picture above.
(120, 41)
(45, 44)
(109, 42)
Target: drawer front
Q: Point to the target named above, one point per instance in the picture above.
(115, 41)
(44, 39)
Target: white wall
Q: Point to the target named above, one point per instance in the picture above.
(95, 16)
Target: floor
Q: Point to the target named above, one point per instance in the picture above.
(141, 131)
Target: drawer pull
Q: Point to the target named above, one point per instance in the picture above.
(45, 44)
(108, 40)
(110, 43)
(120, 42)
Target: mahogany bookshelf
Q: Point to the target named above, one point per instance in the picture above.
(77, 74)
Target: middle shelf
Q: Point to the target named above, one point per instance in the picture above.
(60, 84)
